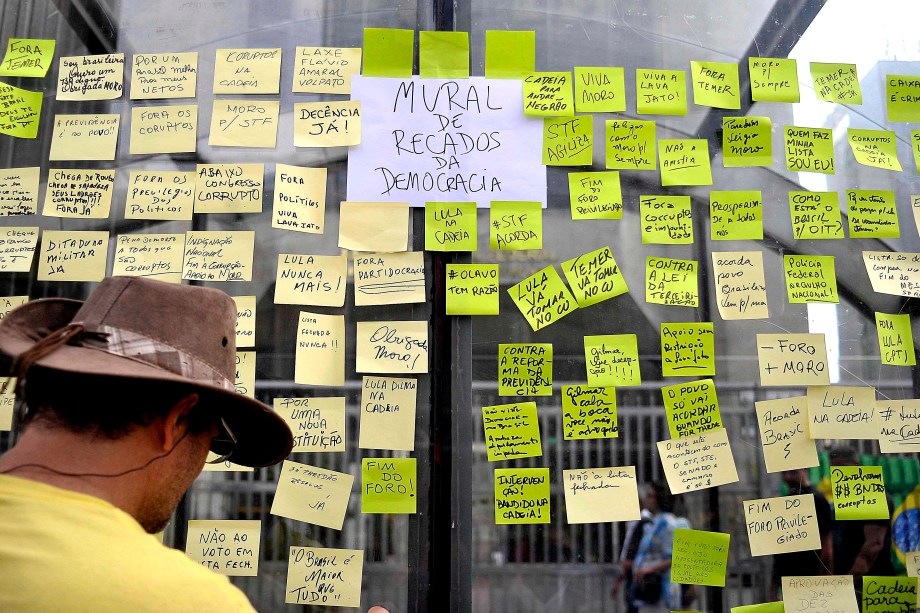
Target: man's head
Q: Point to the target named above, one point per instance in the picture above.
(797, 479)
(843, 455)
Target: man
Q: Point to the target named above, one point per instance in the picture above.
(126, 393)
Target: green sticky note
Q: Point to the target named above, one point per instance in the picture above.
(388, 52)
(510, 54)
(522, 496)
(543, 298)
(895, 339)
(715, 84)
(688, 349)
(20, 110)
(810, 278)
(548, 94)
(747, 141)
(692, 408)
(736, 215)
(671, 281)
(809, 149)
(630, 145)
(699, 557)
(684, 162)
(589, 412)
(815, 215)
(594, 277)
(512, 431)
(612, 360)
(27, 57)
(666, 220)
(661, 92)
(568, 141)
(595, 195)
(889, 594)
(774, 79)
(515, 225)
(472, 289)
(878, 148)
(525, 369)
(764, 607)
(443, 55)
(859, 492)
(902, 97)
(836, 83)
(915, 147)
(450, 226)
(388, 485)
(599, 90)
(872, 213)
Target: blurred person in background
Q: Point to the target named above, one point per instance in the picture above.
(652, 590)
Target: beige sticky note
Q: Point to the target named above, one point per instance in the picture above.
(164, 75)
(158, 256)
(741, 290)
(895, 273)
(218, 256)
(897, 423)
(300, 199)
(84, 137)
(783, 426)
(160, 195)
(824, 594)
(327, 124)
(229, 188)
(247, 71)
(245, 321)
(389, 278)
(320, 355)
(164, 129)
(312, 494)
(241, 123)
(73, 256)
(388, 413)
(399, 347)
(840, 411)
(226, 546)
(595, 495)
(318, 424)
(91, 77)
(17, 248)
(8, 303)
(79, 193)
(325, 70)
(19, 191)
(782, 525)
(912, 562)
(7, 404)
(316, 280)
(374, 226)
(337, 585)
(792, 359)
(224, 467)
(698, 462)
(245, 378)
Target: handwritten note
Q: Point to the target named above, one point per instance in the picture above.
(773, 79)
(392, 347)
(599, 89)
(543, 298)
(698, 462)
(511, 431)
(19, 191)
(612, 359)
(325, 70)
(312, 494)
(522, 496)
(228, 547)
(327, 124)
(300, 199)
(472, 289)
(792, 359)
(320, 354)
(666, 220)
(509, 53)
(389, 278)
(661, 92)
(827, 594)
(158, 256)
(595, 277)
(815, 215)
(692, 408)
(247, 71)
(450, 226)
(245, 376)
(840, 411)
(27, 57)
(160, 195)
(245, 320)
(872, 214)
(17, 248)
(589, 412)
(889, 594)
(893, 273)
(238, 123)
(20, 110)
(595, 195)
(878, 148)
(895, 339)
(91, 77)
(684, 162)
(84, 137)
(218, 256)
(897, 423)
(568, 141)
(782, 525)
(317, 280)
(8, 303)
(73, 256)
(229, 188)
(902, 97)
(388, 485)
(164, 75)
(525, 369)
(699, 557)
(736, 215)
(388, 413)
(374, 226)
(784, 434)
(810, 278)
(687, 349)
(741, 290)
(747, 141)
(330, 577)
(7, 402)
(318, 424)
(913, 563)
(164, 129)
(79, 193)
(595, 495)
(716, 84)
(836, 83)
(859, 492)
(670, 281)
(630, 145)
(809, 149)
(548, 94)
(515, 225)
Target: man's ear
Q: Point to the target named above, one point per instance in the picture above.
(176, 422)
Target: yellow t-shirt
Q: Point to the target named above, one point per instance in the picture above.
(65, 551)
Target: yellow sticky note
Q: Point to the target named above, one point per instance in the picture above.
(913, 563)
(784, 434)
(837, 593)
(300, 199)
(630, 145)
(792, 359)
(156, 76)
(836, 83)
(316, 280)
(548, 94)
(399, 347)
(20, 110)
(510, 54)
(238, 123)
(443, 55)
(91, 77)
(763, 607)
(226, 546)
(885, 594)
(543, 298)
(809, 149)
(472, 289)
(338, 585)
(229, 188)
(245, 378)
(17, 248)
(450, 226)
(710, 454)
(684, 162)
(164, 129)
(522, 496)
(325, 70)
(596, 495)
(320, 355)
(19, 191)
(810, 278)
(595, 277)
(661, 92)
(699, 557)
(388, 52)
(692, 408)
(815, 215)
(313, 495)
(915, 147)
(782, 525)
(665, 220)
(79, 193)
(318, 424)
(840, 411)
(157, 256)
(671, 281)
(73, 256)
(525, 369)
(8, 303)
(902, 97)
(7, 404)
(27, 57)
(599, 89)
(515, 225)
(512, 431)
(388, 413)
(568, 141)
(595, 195)
(894, 273)
(896, 424)
(915, 209)
(895, 339)
(859, 493)
(245, 321)
(247, 71)
(715, 84)
(747, 141)
(873, 213)
(612, 359)
(374, 226)
(773, 79)
(389, 278)
(878, 148)
(218, 256)
(688, 349)
(84, 137)
(162, 195)
(388, 485)
(589, 412)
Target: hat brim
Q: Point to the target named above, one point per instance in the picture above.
(263, 437)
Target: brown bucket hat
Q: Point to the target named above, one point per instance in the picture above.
(137, 328)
